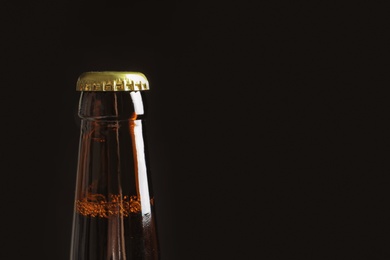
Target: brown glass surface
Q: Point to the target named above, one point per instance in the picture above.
(113, 213)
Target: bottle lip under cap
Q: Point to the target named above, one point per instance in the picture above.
(112, 81)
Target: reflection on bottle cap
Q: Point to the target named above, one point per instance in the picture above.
(112, 81)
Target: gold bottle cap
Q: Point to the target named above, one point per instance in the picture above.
(112, 81)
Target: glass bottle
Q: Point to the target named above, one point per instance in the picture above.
(114, 217)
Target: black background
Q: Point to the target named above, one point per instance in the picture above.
(266, 128)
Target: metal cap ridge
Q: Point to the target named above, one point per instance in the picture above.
(112, 81)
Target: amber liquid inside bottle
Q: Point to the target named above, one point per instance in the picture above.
(114, 216)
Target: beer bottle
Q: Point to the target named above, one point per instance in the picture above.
(114, 216)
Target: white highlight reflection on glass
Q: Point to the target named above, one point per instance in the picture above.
(137, 101)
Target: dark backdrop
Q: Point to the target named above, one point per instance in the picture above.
(266, 128)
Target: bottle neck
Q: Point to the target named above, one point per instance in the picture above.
(99, 105)
(112, 148)
(113, 213)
